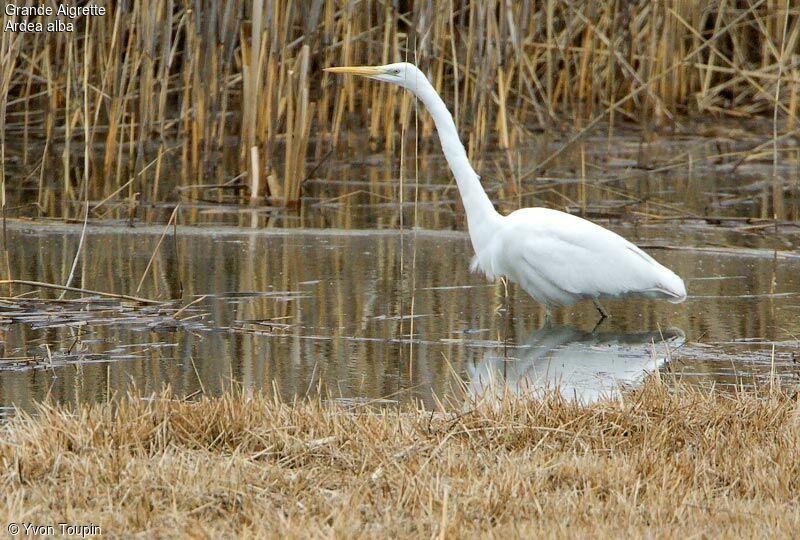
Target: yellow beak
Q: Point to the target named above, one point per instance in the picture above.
(366, 71)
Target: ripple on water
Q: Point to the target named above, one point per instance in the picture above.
(306, 310)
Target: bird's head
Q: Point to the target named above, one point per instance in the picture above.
(401, 73)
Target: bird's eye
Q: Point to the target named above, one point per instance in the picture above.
(396, 71)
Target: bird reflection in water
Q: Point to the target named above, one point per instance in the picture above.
(583, 367)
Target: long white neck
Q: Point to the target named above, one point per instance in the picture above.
(482, 218)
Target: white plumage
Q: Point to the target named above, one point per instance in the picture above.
(556, 257)
(560, 259)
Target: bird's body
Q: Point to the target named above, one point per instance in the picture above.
(559, 259)
(556, 257)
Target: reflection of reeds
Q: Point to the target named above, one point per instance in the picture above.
(344, 288)
(238, 86)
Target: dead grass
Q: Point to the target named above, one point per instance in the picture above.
(665, 462)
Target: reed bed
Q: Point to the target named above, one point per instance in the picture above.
(231, 95)
(665, 461)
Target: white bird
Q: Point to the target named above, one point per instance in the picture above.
(557, 258)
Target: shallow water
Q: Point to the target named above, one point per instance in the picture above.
(371, 315)
(337, 300)
(696, 172)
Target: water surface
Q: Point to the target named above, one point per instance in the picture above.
(368, 315)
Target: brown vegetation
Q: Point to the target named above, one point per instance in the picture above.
(233, 93)
(662, 462)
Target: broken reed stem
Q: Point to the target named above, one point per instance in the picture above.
(187, 306)
(86, 154)
(777, 182)
(254, 175)
(78, 290)
(172, 218)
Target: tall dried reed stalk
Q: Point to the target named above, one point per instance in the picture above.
(237, 86)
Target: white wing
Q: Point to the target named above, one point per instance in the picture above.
(559, 259)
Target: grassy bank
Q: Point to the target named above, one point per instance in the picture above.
(671, 462)
(232, 97)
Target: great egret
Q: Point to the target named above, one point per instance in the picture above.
(556, 257)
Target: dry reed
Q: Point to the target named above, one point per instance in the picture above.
(663, 462)
(237, 87)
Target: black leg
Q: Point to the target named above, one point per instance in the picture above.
(603, 313)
